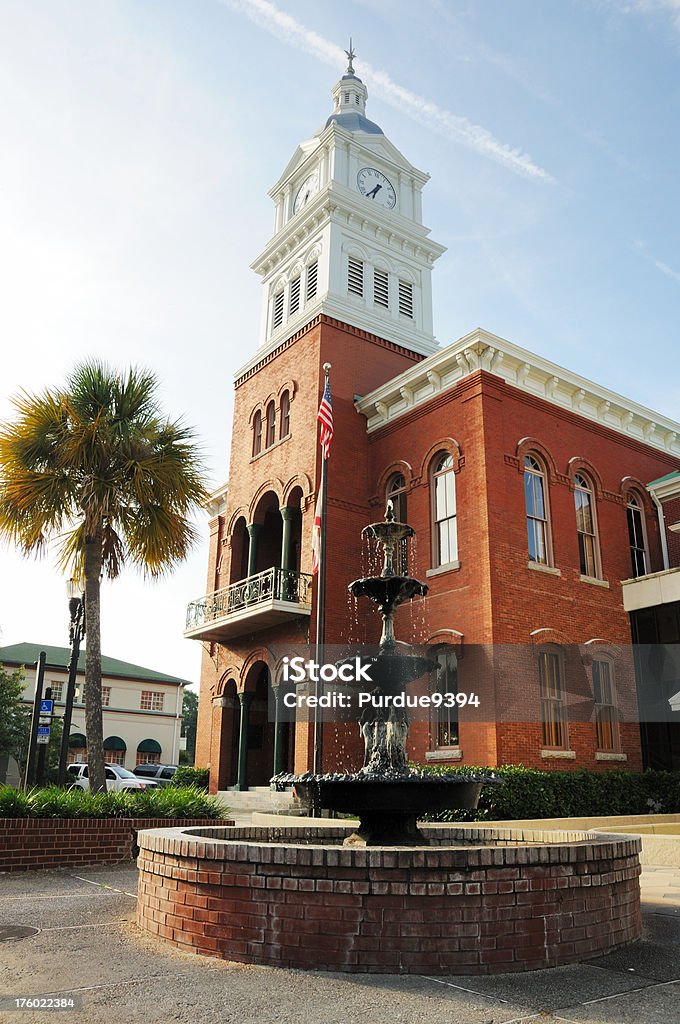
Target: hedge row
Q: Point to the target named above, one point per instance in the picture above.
(54, 802)
(529, 793)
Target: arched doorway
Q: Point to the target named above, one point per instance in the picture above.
(256, 729)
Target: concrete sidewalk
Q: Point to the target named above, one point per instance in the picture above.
(89, 949)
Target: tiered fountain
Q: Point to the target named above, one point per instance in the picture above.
(475, 900)
(385, 793)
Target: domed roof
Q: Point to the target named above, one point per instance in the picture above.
(354, 122)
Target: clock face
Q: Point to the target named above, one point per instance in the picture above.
(375, 186)
(308, 188)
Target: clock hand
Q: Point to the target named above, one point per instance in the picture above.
(373, 193)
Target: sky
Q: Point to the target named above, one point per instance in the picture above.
(139, 138)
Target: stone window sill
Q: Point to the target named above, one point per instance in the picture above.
(444, 754)
(560, 755)
(609, 755)
(440, 569)
(539, 567)
(595, 581)
(266, 451)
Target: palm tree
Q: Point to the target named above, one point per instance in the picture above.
(97, 467)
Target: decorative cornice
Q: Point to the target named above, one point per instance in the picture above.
(535, 376)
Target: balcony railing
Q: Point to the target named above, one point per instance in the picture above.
(272, 588)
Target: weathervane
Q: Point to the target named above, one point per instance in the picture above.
(350, 57)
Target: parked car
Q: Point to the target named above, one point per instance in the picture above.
(160, 773)
(117, 778)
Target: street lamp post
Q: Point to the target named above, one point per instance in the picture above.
(76, 609)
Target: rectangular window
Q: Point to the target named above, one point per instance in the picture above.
(606, 717)
(355, 276)
(406, 299)
(381, 288)
(312, 279)
(152, 700)
(553, 706)
(57, 691)
(636, 537)
(147, 759)
(277, 318)
(294, 301)
(106, 696)
(446, 683)
(115, 757)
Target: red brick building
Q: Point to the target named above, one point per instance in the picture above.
(525, 483)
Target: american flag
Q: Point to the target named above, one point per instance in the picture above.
(325, 418)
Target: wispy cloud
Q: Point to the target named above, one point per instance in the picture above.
(662, 267)
(453, 126)
(670, 7)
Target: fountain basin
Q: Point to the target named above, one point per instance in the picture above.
(388, 808)
(475, 901)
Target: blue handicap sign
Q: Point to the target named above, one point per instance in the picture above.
(43, 730)
(46, 707)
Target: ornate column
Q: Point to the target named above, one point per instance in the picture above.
(245, 700)
(253, 533)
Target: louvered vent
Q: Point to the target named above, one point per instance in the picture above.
(355, 276)
(294, 301)
(381, 288)
(406, 299)
(312, 278)
(277, 318)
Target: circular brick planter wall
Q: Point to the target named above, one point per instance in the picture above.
(490, 900)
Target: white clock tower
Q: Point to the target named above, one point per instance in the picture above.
(348, 234)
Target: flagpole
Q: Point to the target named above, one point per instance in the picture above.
(321, 604)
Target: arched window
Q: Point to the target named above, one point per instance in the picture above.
(396, 493)
(586, 527)
(271, 425)
(538, 532)
(257, 433)
(606, 714)
(444, 527)
(553, 700)
(445, 682)
(637, 537)
(284, 429)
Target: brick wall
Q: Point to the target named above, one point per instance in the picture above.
(30, 843)
(440, 910)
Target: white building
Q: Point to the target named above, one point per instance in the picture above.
(142, 709)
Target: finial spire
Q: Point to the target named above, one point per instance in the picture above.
(350, 57)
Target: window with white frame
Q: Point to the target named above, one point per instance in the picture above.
(277, 311)
(396, 493)
(536, 511)
(553, 701)
(445, 682)
(270, 419)
(636, 536)
(381, 288)
(106, 696)
(406, 299)
(152, 700)
(312, 280)
(284, 425)
(606, 714)
(586, 527)
(444, 525)
(294, 296)
(57, 691)
(355, 276)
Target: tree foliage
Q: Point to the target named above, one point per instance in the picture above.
(97, 467)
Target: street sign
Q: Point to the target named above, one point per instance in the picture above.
(46, 707)
(44, 740)
(43, 733)
(45, 720)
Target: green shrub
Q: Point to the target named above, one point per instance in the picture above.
(53, 802)
(186, 776)
(530, 793)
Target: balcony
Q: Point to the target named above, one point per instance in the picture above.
(258, 602)
(651, 590)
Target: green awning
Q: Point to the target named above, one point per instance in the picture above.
(77, 741)
(149, 747)
(115, 743)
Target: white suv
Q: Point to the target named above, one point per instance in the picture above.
(117, 778)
